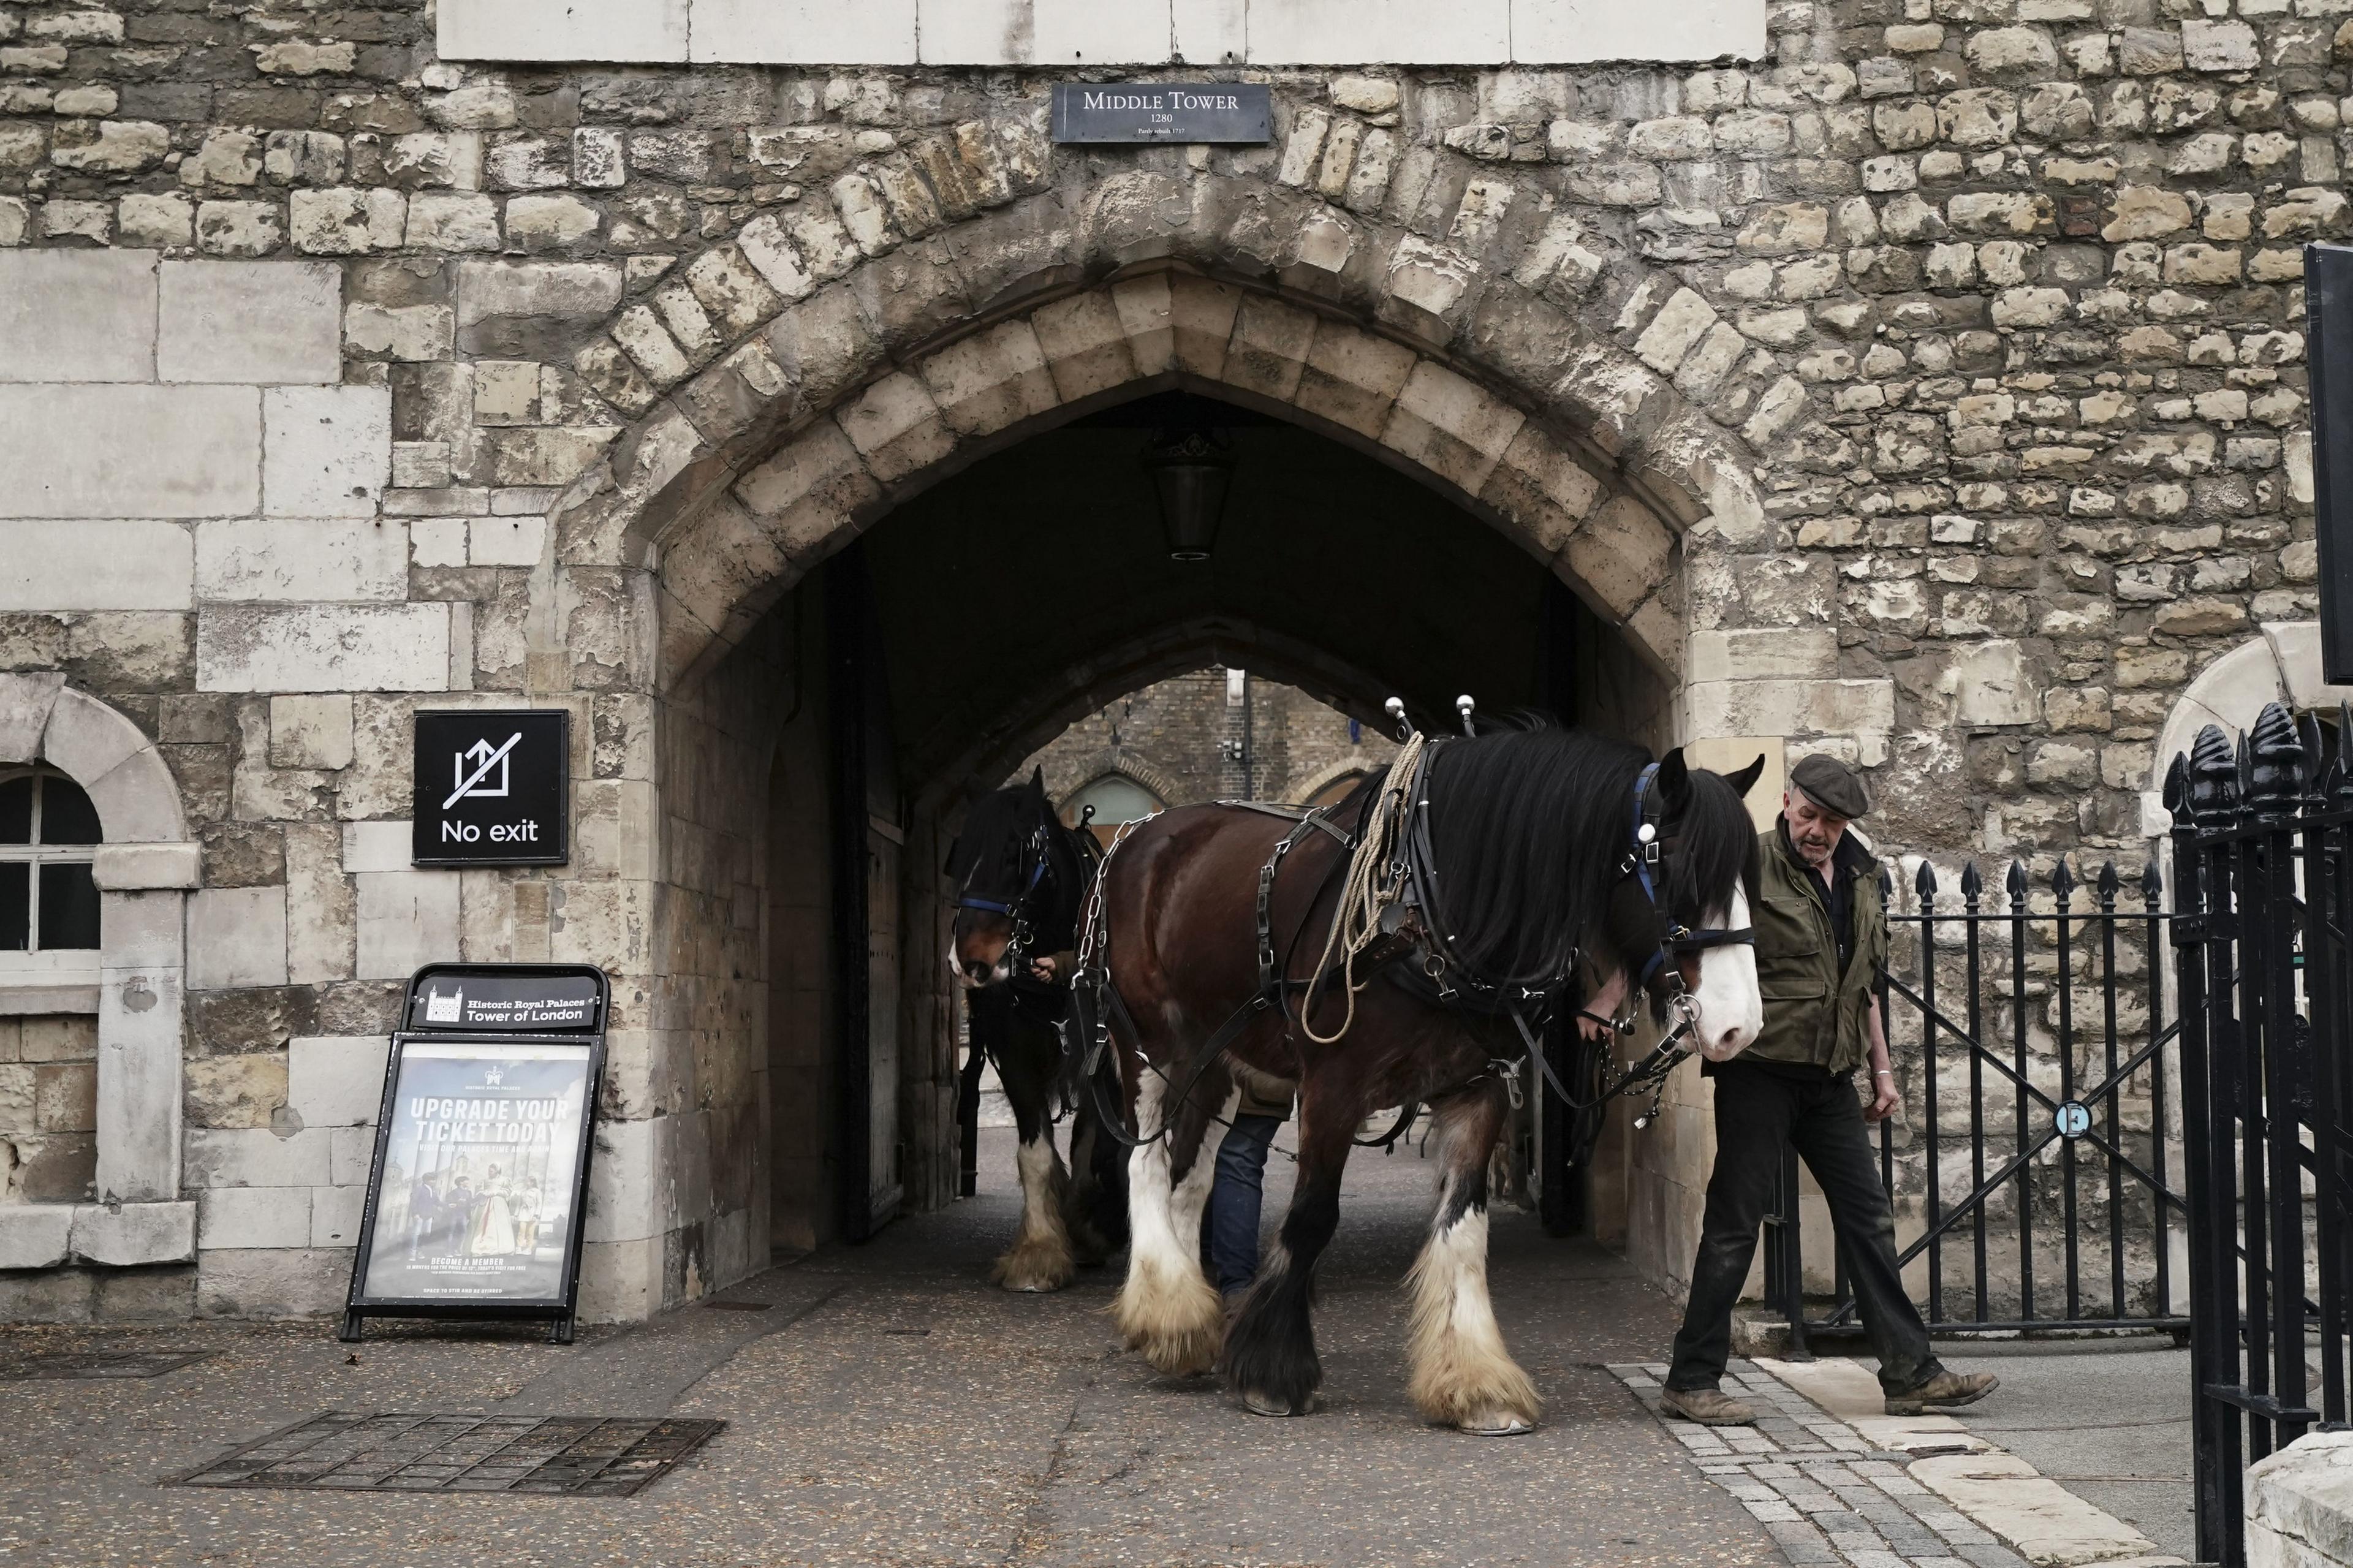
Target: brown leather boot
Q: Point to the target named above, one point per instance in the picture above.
(1946, 1391)
(1708, 1406)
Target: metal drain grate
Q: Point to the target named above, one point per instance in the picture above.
(580, 1456)
(95, 1363)
(739, 1306)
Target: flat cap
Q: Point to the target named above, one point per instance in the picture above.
(1831, 784)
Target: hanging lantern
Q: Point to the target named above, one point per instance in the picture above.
(1190, 470)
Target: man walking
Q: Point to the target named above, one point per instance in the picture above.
(1822, 940)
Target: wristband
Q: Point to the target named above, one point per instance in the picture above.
(1882, 1072)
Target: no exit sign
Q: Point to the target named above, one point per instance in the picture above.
(493, 788)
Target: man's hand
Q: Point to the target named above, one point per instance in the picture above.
(1884, 1100)
(1604, 1003)
(1045, 968)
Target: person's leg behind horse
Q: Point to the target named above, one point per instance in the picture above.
(1754, 1108)
(1461, 1375)
(1040, 1257)
(1230, 1235)
(1833, 1140)
(1094, 1207)
(1270, 1358)
(1167, 1308)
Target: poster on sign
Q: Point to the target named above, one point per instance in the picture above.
(476, 1197)
(479, 1184)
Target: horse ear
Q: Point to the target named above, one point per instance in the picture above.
(1746, 779)
(1674, 777)
(1038, 781)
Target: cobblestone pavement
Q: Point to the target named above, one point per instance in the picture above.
(1829, 1494)
(890, 1407)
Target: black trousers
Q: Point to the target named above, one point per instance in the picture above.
(1758, 1113)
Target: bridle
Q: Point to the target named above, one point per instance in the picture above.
(1039, 861)
(1642, 864)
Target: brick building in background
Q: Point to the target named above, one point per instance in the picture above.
(1215, 735)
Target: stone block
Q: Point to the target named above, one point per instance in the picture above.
(272, 1283)
(1451, 426)
(34, 1236)
(618, 31)
(1084, 345)
(335, 1081)
(1621, 555)
(1989, 685)
(257, 1157)
(407, 920)
(532, 309)
(301, 560)
(1572, 32)
(2299, 1503)
(87, 739)
(257, 322)
(135, 867)
(1043, 32)
(897, 428)
(130, 451)
(323, 648)
(1380, 32)
(1352, 377)
(77, 315)
(990, 380)
(253, 1217)
(329, 450)
(1792, 708)
(95, 565)
(125, 1236)
(335, 1216)
(376, 846)
(310, 732)
(805, 32)
(1768, 653)
(1210, 32)
(236, 937)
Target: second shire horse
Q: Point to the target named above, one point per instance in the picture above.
(1021, 876)
(1506, 871)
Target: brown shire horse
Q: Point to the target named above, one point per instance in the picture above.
(1532, 865)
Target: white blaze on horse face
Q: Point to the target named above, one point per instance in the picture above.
(1731, 1005)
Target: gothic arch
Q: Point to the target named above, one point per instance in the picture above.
(804, 375)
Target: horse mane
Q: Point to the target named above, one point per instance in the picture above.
(1529, 823)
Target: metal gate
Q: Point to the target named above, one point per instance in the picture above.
(2265, 872)
(2033, 1161)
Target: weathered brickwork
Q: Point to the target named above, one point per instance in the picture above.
(1931, 391)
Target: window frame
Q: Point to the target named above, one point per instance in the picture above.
(34, 963)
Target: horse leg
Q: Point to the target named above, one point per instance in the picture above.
(1462, 1374)
(1039, 1259)
(1270, 1359)
(1166, 1307)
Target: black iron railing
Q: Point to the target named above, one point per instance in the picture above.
(2263, 848)
(2034, 1058)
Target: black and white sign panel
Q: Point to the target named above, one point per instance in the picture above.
(477, 1198)
(492, 787)
(480, 1182)
(1162, 111)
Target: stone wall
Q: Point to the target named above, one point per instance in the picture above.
(1929, 390)
(1178, 739)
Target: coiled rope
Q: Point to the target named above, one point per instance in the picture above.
(1376, 877)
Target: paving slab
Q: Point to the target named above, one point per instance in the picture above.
(1009, 1429)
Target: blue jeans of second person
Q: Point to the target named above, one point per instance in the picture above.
(1229, 1228)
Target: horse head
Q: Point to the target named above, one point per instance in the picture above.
(1680, 924)
(1000, 864)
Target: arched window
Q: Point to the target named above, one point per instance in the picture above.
(1116, 798)
(48, 903)
(1336, 790)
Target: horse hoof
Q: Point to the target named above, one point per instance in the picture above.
(1497, 1424)
(1258, 1404)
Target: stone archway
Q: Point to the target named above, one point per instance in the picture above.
(144, 870)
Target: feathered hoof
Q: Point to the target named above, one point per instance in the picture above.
(1034, 1267)
(1258, 1404)
(1492, 1398)
(1496, 1424)
(1177, 1323)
